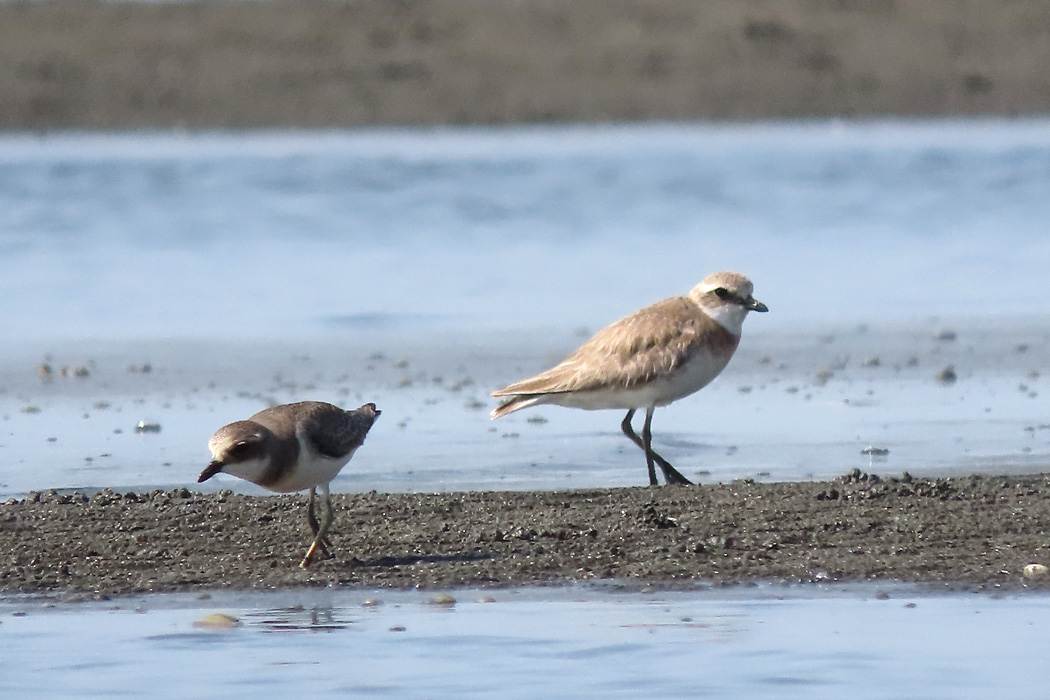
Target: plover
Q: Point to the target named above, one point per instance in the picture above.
(652, 357)
(293, 447)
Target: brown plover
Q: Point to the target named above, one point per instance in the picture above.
(652, 357)
(293, 447)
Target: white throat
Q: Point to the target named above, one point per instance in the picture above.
(729, 316)
(251, 470)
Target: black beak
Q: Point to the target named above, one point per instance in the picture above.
(212, 469)
(753, 304)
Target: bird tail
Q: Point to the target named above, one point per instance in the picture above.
(515, 403)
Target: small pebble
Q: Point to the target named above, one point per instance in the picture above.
(947, 375)
(823, 376)
(461, 383)
(442, 600)
(1034, 571)
(217, 621)
(147, 427)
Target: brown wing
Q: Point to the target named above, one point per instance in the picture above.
(635, 349)
(333, 431)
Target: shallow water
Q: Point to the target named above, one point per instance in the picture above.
(816, 642)
(771, 417)
(422, 269)
(289, 234)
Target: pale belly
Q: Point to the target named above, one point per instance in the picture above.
(313, 470)
(688, 379)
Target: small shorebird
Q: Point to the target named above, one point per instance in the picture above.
(652, 357)
(293, 447)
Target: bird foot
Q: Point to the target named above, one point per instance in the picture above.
(674, 477)
(319, 546)
(671, 475)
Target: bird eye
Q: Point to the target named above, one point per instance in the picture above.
(239, 449)
(723, 294)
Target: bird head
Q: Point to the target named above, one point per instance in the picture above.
(238, 449)
(727, 297)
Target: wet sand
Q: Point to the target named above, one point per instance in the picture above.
(72, 64)
(976, 531)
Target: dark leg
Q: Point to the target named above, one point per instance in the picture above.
(671, 475)
(628, 430)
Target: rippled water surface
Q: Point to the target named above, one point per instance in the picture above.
(824, 642)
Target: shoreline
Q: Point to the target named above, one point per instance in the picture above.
(238, 64)
(973, 532)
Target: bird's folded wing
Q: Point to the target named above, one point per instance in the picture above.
(636, 349)
(335, 433)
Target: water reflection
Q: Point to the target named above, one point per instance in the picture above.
(299, 619)
(861, 641)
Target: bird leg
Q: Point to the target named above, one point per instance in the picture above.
(312, 520)
(628, 430)
(671, 475)
(320, 540)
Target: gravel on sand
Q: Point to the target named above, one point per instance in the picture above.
(975, 531)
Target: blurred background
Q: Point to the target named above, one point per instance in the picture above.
(220, 64)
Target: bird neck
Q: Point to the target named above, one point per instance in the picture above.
(729, 316)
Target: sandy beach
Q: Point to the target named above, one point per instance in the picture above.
(967, 532)
(76, 64)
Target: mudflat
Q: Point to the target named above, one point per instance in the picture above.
(974, 531)
(73, 64)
